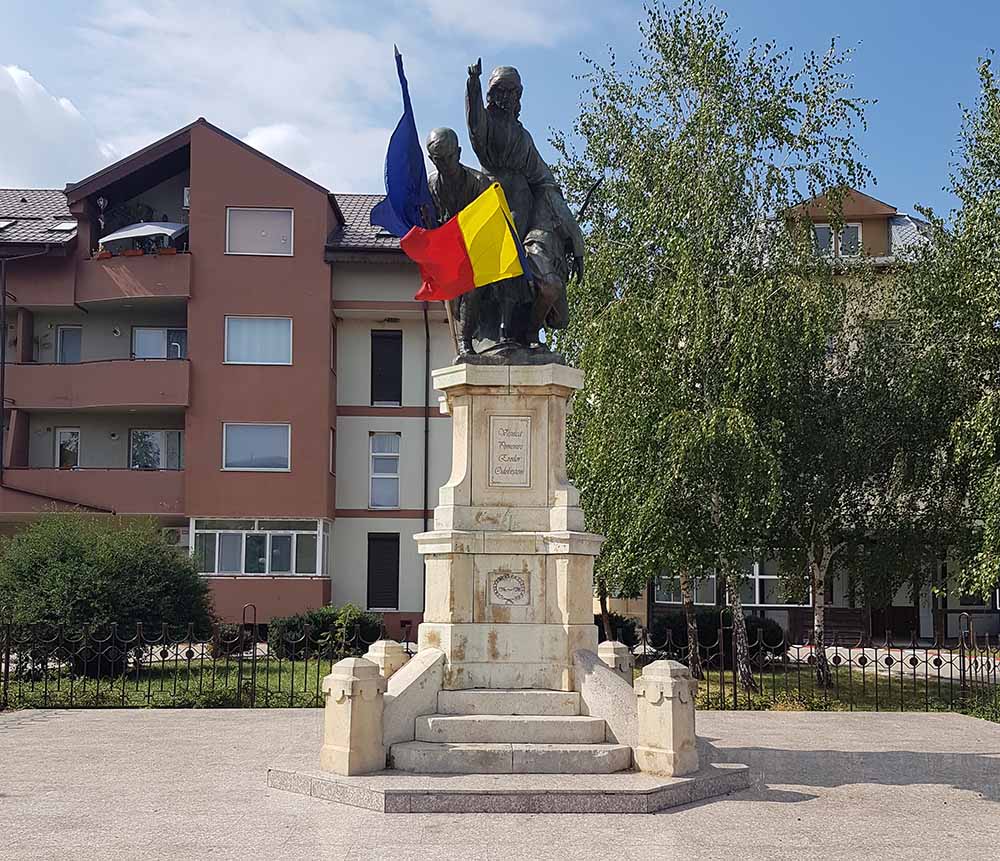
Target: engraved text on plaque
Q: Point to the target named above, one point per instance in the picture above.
(510, 451)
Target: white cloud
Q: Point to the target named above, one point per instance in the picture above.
(48, 141)
(524, 22)
(308, 82)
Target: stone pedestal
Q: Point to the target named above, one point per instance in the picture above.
(509, 568)
(666, 739)
(352, 718)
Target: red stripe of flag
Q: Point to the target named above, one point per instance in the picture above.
(443, 260)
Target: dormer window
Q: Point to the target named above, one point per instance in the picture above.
(848, 242)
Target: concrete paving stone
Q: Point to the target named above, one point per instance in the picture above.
(203, 763)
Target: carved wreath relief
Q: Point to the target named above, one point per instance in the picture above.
(510, 451)
(507, 588)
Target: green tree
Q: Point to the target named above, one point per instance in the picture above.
(701, 302)
(954, 299)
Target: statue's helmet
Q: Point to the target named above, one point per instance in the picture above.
(506, 77)
(444, 142)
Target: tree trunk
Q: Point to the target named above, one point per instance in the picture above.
(602, 597)
(741, 645)
(818, 584)
(687, 601)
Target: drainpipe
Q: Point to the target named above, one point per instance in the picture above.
(427, 429)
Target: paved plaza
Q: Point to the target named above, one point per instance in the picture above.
(191, 784)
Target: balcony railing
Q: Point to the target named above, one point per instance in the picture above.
(125, 383)
(133, 278)
(122, 491)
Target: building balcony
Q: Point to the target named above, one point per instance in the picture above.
(127, 278)
(109, 384)
(120, 491)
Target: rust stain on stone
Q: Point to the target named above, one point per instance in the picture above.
(501, 614)
(492, 649)
(434, 639)
(458, 651)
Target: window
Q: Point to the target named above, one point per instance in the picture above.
(150, 342)
(383, 571)
(258, 340)
(387, 368)
(259, 231)
(156, 449)
(384, 492)
(68, 343)
(67, 454)
(850, 240)
(823, 238)
(5, 223)
(257, 447)
(763, 587)
(333, 452)
(63, 227)
(667, 590)
(267, 547)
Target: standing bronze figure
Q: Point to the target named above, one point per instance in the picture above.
(512, 312)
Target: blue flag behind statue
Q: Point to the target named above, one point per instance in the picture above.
(407, 201)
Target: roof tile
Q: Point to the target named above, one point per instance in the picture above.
(34, 211)
(358, 233)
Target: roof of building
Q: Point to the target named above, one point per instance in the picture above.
(907, 231)
(356, 232)
(33, 214)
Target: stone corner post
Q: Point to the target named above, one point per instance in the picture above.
(666, 739)
(388, 656)
(618, 657)
(352, 718)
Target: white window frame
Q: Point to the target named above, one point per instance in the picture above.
(166, 339)
(697, 581)
(372, 475)
(225, 431)
(291, 231)
(321, 533)
(180, 449)
(833, 239)
(6, 222)
(63, 227)
(225, 349)
(755, 577)
(840, 232)
(59, 330)
(55, 447)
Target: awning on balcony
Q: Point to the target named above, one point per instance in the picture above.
(169, 229)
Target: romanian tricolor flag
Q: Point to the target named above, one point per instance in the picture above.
(475, 248)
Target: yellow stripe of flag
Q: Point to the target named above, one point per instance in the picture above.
(485, 225)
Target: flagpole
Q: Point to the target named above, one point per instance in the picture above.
(451, 323)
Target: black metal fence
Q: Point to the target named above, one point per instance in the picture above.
(864, 673)
(236, 666)
(226, 666)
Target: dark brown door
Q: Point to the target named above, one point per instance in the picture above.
(383, 570)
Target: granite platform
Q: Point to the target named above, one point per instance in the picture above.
(623, 792)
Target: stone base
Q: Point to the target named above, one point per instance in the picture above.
(655, 760)
(625, 792)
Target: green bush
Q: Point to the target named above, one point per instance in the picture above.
(625, 628)
(334, 632)
(772, 640)
(84, 573)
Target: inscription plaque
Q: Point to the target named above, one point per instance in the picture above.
(508, 588)
(510, 451)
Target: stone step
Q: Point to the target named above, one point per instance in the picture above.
(497, 701)
(422, 757)
(510, 729)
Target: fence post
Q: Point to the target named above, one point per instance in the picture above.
(963, 621)
(6, 626)
(253, 658)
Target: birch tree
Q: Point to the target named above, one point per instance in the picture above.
(702, 302)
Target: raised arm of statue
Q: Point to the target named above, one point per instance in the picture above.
(475, 109)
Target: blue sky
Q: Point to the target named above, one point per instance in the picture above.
(311, 81)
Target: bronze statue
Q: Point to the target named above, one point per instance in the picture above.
(512, 312)
(454, 186)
